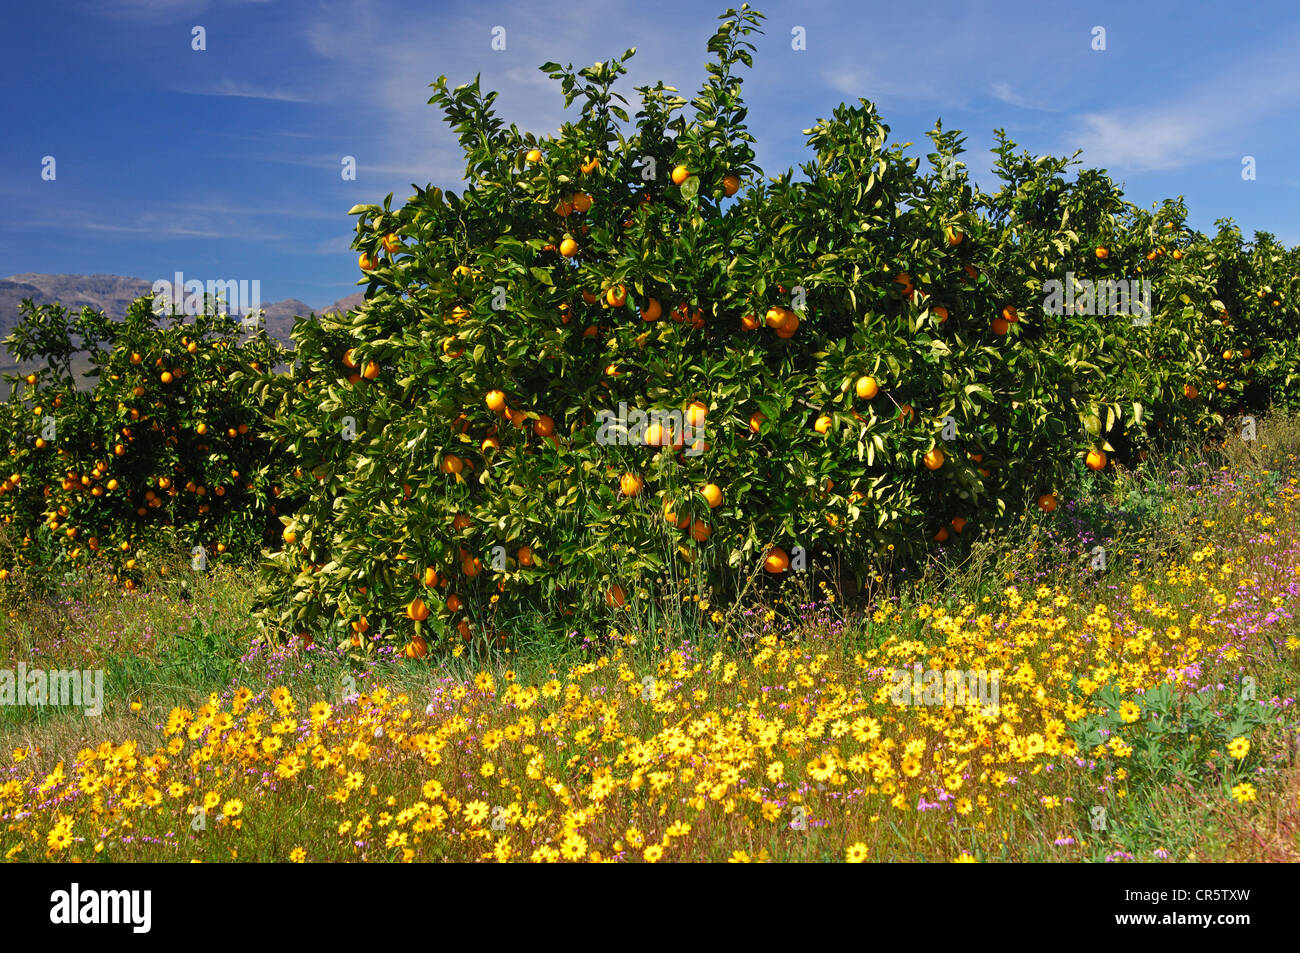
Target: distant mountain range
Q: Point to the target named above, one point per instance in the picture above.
(113, 294)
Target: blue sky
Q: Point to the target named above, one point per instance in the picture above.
(225, 163)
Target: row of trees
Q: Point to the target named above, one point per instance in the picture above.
(857, 362)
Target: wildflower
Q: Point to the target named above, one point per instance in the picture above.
(1243, 792)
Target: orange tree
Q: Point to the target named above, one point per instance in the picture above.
(859, 363)
(1257, 287)
(155, 448)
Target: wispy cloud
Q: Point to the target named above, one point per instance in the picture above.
(234, 88)
(1217, 118)
(1003, 92)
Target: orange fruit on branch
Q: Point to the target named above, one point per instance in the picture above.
(776, 561)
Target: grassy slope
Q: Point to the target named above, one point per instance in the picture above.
(779, 743)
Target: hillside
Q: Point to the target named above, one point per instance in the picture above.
(114, 293)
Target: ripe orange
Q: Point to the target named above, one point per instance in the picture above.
(533, 155)
(867, 388)
(166, 377)
(776, 561)
(495, 400)
(934, 459)
(454, 603)
(786, 330)
(730, 184)
(680, 175)
(670, 516)
(1047, 502)
(958, 524)
(906, 413)
(1095, 460)
(348, 360)
(1190, 391)
(452, 465)
(756, 420)
(652, 310)
(696, 413)
(748, 323)
(629, 484)
(1102, 251)
(370, 371)
(615, 596)
(1009, 315)
(712, 494)
(777, 316)
(942, 535)
(417, 610)
(525, 556)
(568, 248)
(591, 165)
(367, 262)
(823, 424)
(290, 537)
(563, 208)
(416, 648)
(616, 296)
(581, 201)
(954, 236)
(940, 312)
(1000, 326)
(701, 531)
(391, 243)
(544, 426)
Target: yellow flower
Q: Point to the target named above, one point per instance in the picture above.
(1243, 792)
(856, 853)
(1239, 747)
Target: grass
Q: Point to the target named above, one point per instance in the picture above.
(1145, 711)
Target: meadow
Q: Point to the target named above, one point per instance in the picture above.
(1144, 712)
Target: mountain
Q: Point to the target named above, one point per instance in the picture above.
(113, 294)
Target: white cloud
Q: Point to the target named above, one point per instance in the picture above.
(234, 88)
(1003, 92)
(1216, 118)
